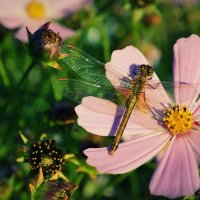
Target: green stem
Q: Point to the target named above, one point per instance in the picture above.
(77, 182)
(15, 90)
(79, 179)
(32, 196)
(135, 30)
(3, 73)
(106, 42)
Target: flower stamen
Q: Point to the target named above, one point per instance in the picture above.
(35, 9)
(47, 161)
(178, 120)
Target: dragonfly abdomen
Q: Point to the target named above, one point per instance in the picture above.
(131, 103)
(129, 109)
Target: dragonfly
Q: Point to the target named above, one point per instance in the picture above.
(138, 92)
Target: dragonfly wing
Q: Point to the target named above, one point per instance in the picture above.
(146, 115)
(84, 65)
(92, 70)
(158, 96)
(75, 90)
(149, 107)
(117, 77)
(181, 93)
(187, 94)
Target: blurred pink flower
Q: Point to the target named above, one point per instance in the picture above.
(34, 13)
(177, 172)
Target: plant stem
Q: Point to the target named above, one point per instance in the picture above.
(15, 90)
(32, 196)
(106, 43)
(3, 73)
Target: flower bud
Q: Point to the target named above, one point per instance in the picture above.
(44, 46)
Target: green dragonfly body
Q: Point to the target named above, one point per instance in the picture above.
(145, 73)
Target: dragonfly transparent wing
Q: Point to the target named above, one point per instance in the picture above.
(75, 90)
(179, 92)
(158, 96)
(92, 70)
(98, 79)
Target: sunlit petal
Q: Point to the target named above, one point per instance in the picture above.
(125, 59)
(177, 173)
(194, 140)
(129, 155)
(101, 117)
(186, 60)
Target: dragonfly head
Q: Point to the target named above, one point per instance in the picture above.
(146, 71)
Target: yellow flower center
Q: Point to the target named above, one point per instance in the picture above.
(35, 9)
(46, 161)
(178, 120)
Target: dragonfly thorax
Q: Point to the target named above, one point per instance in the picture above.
(145, 71)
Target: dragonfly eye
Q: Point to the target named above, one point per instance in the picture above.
(146, 70)
(149, 72)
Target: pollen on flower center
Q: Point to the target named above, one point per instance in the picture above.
(46, 161)
(35, 9)
(178, 120)
(45, 154)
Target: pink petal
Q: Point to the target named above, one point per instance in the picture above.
(64, 8)
(21, 34)
(196, 112)
(13, 13)
(10, 23)
(126, 58)
(12, 9)
(98, 116)
(194, 140)
(129, 155)
(63, 31)
(186, 60)
(177, 174)
(33, 25)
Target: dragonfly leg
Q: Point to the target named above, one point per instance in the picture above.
(153, 87)
(149, 107)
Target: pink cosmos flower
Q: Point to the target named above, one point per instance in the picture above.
(34, 13)
(174, 135)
